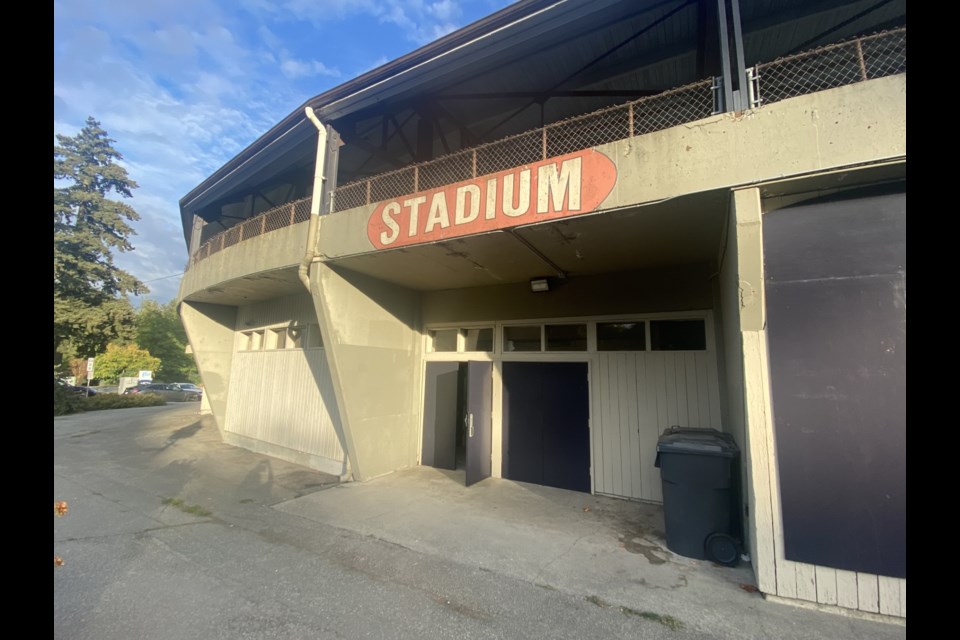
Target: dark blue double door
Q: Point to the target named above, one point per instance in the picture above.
(546, 435)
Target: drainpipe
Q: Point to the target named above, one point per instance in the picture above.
(314, 226)
(313, 230)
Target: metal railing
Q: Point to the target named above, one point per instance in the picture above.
(277, 218)
(835, 65)
(664, 110)
(827, 67)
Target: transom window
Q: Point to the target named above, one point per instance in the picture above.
(666, 334)
(304, 336)
(469, 339)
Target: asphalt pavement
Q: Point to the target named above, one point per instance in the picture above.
(171, 534)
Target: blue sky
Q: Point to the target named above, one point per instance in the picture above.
(183, 85)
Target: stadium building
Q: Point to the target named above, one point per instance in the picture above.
(528, 248)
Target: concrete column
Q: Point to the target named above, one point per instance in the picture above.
(371, 333)
(211, 329)
(744, 322)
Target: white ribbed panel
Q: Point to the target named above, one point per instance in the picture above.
(285, 398)
(636, 396)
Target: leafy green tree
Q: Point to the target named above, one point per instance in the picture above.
(160, 331)
(123, 360)
(90, 308)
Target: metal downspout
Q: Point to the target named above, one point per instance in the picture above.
(314, 226)
(313, 230)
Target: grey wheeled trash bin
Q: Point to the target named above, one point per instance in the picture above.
(699, 472)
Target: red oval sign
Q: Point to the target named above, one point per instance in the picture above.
(559, 187)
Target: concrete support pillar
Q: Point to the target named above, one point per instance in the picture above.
(371, 333)
(211, 329)
(744, 321)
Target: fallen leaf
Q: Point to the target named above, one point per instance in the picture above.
(585, 509)
(749, 588)
(60, 508)
(57, 561)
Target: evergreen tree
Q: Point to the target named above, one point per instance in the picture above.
(90, 307)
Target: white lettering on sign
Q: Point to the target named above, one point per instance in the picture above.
(543, 190)
(559, 183)
(389, 211)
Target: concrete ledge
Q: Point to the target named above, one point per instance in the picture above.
(278, 249)
(312, 461)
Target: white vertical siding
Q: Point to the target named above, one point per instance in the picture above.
(847, 589)
(285, 398)
(826, 585)
(639, 394)
(889, 596)
(868, 593)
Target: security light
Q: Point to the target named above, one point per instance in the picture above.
(539, 284)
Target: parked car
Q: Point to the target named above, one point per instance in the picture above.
(74, 389)
(171, 391)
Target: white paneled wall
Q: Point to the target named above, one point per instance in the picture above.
(285, 398)
(637, 395)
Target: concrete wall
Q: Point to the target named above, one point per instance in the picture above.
(846, 126)
(682, 288)
(371, 336)
(210, 330)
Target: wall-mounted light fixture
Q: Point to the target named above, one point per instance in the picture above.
(538, 285)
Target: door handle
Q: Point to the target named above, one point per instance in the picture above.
(469, 425)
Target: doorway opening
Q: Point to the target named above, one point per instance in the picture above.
(457, 411)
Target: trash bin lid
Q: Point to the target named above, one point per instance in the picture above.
(707, 442)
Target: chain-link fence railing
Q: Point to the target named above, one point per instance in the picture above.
(866, 58)
(653, 113)
(834, 65)
(277, 218)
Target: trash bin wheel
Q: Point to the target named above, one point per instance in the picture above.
(722, 549)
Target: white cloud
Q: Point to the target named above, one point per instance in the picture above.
(182, 86)
(176, 98)
(420, 21)
(293, 68)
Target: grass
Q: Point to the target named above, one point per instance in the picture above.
(597, 601)
(192, 509)
(668, 621)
